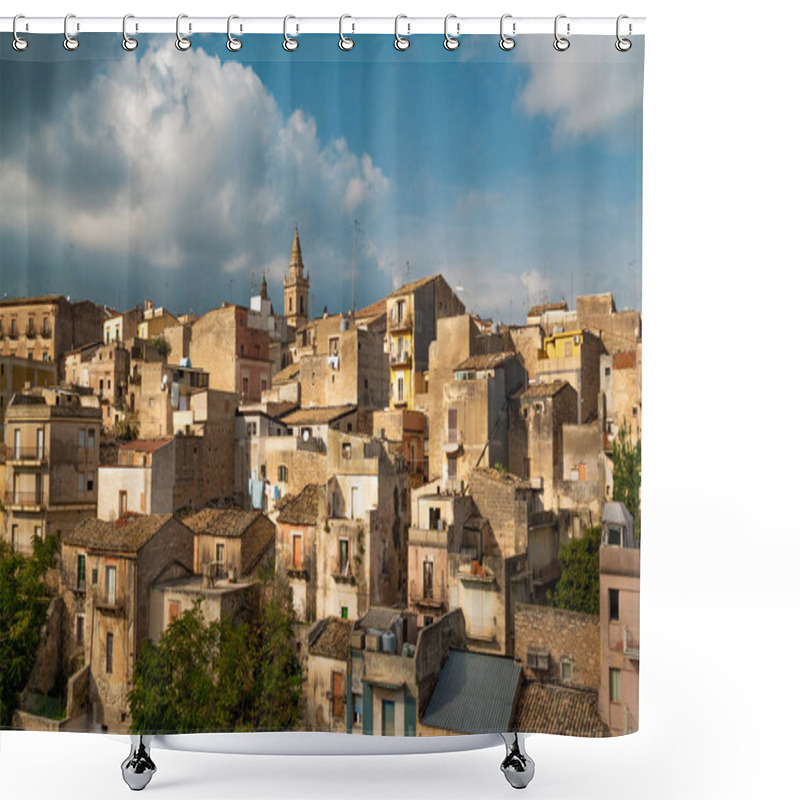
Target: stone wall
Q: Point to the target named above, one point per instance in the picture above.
(564, 635)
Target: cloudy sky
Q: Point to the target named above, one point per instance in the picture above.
(180, 176)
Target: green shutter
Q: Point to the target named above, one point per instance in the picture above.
(367, 728)
(410, 718)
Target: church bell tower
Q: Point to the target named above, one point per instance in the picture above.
(295, 288)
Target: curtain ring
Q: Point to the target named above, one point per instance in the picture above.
(233, 44)
(70, 42)
(451, 42)
(561, 43)
(289, 44)
(623, 45)
(400, 42)
(181, 42)
(128, 42)
(345, 42)
(19, 44)
(506, 42)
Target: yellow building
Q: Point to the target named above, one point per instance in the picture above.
(155, 321)
(412, 313)
(17, 373)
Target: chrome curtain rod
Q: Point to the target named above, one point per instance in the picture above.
(514, 26)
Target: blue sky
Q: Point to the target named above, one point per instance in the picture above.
(180, 176)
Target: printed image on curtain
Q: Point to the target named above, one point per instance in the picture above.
(320, 386)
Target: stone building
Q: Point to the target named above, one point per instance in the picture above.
(19, 374)
(107, 569)
(621, 390)
(412, 313)
(123, 327)
(582, 487)
(239, 347)
(342, 362)
(475, 405)
(326, 684)
(573, 356)
(52, 441)
(535, 442)
(295, 288)
(406, 433)
(46, 328)
(154, 321)
(619, 621)
(620, 331)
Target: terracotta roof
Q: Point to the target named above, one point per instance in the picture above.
(552, 708)
(410, 287)
(129, 534)
(277, 410)
(231, 523)
(304, 508)
(322, 415)
(375, 310)
(485, 361)
(145, 445)
(286, 375)
(542, 308)
(549, 389)
(330, 637)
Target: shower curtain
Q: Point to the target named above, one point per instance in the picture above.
(321, 384)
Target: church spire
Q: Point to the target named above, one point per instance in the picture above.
(296, 261)
(264, 295)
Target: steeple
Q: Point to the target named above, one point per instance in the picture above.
(296, 261)
(295, 288)
(264, 295)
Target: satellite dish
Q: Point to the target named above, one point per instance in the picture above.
(164, 382)
(306, 434)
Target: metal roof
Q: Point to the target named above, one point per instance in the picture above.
(475, 693)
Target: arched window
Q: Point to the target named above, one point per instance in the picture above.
(283, 473)
(290, 304)
(301, 304)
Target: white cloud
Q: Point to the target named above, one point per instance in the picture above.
(184, 161)
(582, 101)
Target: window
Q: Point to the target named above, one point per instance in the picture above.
(90, 483)
(174, 611)
(614, 537)
(283, 473)
(241, 350)
(613, 605)
(81, 572)
(566, 670)
(387, 718)
(333, 346)
(301, 304)
(538, 658)
(614, 685)
(344, 553)
(384, 556)
(81, 437)
(427, 579)
(220, 550)
(427, 621)
(347, 451)
(245, 385)
(337, 690)
(297, 551)
(17, 443)
(111, 585)
(608, 371)
(81, 483)
(109, 653)
(79, 623)
(40, 443)
(358, 705)
(94, 577)
(37, 531)
(344, 612)
(400, 393)
(123, 503)
(91, 435)
(452, 467)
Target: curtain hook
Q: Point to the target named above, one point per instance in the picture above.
(506, 42)
(345, 42)
(181, 42)
(401, 42)
(19, 44)
(289, 44)
(128, 42)
(451, 42)
(623, 45)
(561, 43)
(70, 42)
(233, 44)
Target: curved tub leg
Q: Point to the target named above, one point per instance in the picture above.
(517, 766)
(138, 768)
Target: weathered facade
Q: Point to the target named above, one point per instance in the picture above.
(17, 375)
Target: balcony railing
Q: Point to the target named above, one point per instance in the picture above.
(400, 359)
(27, 454)
(452, 440)
(400, 323)
(24, 499)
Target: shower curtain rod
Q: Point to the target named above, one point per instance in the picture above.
(407, 25)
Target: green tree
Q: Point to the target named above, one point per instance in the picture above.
(627, 460)
(224, 676)
(162, 345)
(578, 588)
(23, 608)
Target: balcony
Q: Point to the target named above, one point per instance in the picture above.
(400, 359)
(429, 537)
(630, 642)
(403, 322)
(27, 455)
(31, 333)
(452, 440)
(25, 501)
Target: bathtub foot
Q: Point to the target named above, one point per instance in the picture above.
(138, 768)
(517, 766)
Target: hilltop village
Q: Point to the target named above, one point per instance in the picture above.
(411, 471)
